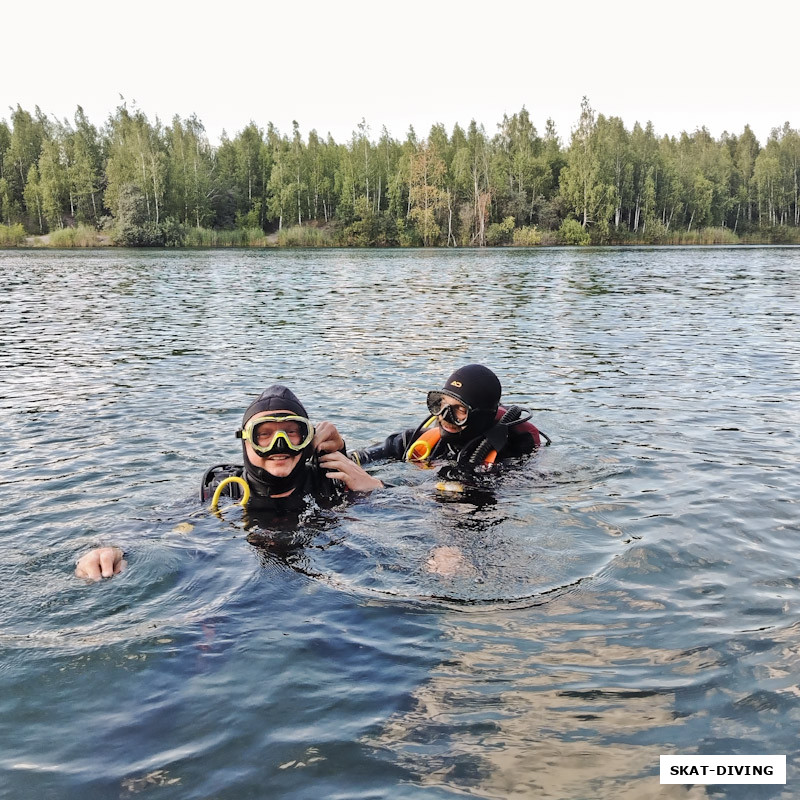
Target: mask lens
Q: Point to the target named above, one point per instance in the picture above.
(279, 434)
(449, 409)
(264, 433)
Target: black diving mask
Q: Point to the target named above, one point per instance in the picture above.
(455, 413)
(283, 433)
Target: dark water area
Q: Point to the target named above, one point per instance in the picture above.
(631, 591)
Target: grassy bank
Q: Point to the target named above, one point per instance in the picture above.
(84, 236)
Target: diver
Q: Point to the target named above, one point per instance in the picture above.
(466, 426)
(286, 462)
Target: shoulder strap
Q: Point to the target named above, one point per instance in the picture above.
(213, 476)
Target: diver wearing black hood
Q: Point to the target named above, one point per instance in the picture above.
(262, 483)
(280, 465)
(286, 461)
(467, 425)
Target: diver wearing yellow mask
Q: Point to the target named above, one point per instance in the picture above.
(286, 459)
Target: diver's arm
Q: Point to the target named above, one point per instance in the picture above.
(519, 444)
(339, 467)
(394, 447)
(102, 562)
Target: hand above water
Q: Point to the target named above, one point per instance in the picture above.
(102, 562)
(349, 473)
(327, 438)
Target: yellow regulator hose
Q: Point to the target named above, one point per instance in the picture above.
(232, 479)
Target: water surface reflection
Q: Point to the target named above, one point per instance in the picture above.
(631, 591)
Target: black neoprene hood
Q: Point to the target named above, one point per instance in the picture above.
(475, 385)
(276, 398)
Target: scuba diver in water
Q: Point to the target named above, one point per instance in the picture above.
(473, 434)
(466, 426)
(286, 461)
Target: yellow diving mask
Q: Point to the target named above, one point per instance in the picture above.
(279, 433)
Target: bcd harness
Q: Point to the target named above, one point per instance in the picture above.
(484, 448)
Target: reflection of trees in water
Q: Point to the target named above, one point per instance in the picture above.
(535, 707)
(784, 663)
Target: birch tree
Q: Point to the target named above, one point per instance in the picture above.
(427, 172)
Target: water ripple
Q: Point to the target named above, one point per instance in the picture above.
(632, 591)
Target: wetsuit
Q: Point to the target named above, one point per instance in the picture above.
(521, 441)
(488, 432)
(315, 484)
(306, 479)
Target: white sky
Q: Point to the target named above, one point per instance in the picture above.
(681, 64)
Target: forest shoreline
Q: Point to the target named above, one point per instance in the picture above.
(136, 182)
(294, 238)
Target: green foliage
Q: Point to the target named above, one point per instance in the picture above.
(6, 205)
(204, 237)
(655, 231)
(82, 236)
(407, 234)
(134, 228)
(83, 150)
(776, 235)
(250, 218)
(33, 200)
(5, 140)
(368, 228)
(137, 156)
(527, 236)
(12, 235)
(551, 238)
(572, 232)
(583, 183)
(53, 183)
(173, 232)
(456, 189)
(22, 153)
(499, 233)
(709, 236)
(192, 181)
(304, 236)
(147, 235)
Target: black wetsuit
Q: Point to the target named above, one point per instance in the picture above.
(316, 484)
(520, 442)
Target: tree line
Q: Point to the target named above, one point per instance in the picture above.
(153, 184)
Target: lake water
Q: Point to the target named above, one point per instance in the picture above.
(632, 591)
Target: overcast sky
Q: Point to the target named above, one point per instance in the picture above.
(681, 65)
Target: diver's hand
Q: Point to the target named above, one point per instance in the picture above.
(447, 561)
(349, 473)
(102, 562)
(327, 438)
